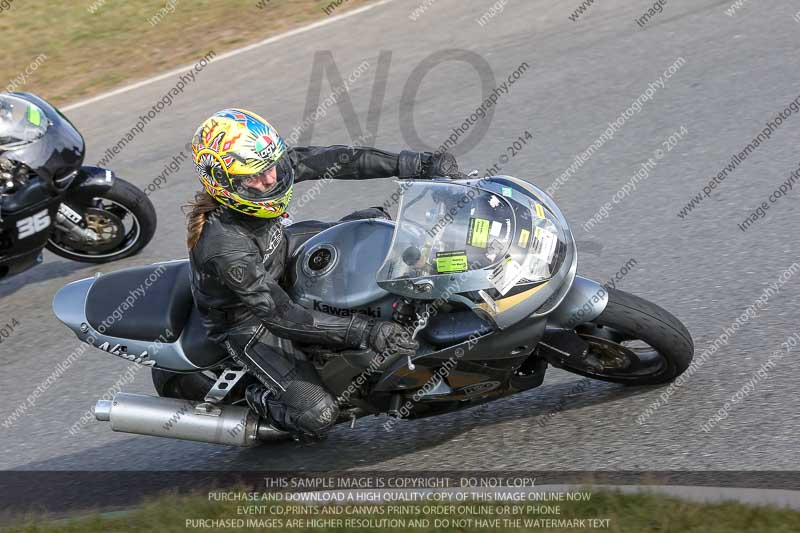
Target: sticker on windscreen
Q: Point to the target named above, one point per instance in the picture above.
(505, 275)
(495, 248)
(544, 245)
(34, 117)
(478, 234)
(451, 262)
(524, 237)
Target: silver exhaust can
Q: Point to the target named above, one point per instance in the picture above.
(181, 419)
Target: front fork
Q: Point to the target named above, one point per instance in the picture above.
(585, 301)
(89, 183)
(69, 221)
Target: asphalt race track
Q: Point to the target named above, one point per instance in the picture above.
(738, 72)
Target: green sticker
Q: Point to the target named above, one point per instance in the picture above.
(478, 235)
(450, 262)
(508, 191)
(34, 117)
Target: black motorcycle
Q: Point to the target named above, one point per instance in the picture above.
(48, 199)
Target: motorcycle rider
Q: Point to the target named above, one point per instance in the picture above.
(238, 256)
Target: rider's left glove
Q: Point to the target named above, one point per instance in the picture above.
(427, 165)
(439, 165)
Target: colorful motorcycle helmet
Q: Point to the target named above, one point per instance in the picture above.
(234, 146)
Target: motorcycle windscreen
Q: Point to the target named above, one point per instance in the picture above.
(445, 228)
(21, 122)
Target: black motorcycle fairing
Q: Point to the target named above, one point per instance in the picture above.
(16, 210)
(35, 196)
(494, 355)
(18, 263)
(58, 154)
(447, 329)
(27, 219)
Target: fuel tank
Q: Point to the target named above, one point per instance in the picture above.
(334, 271)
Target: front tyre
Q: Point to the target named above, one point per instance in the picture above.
(123, 219)
(634, 342)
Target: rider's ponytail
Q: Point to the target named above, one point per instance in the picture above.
(200, 207)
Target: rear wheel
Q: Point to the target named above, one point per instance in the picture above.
(123, 219)
(634, 342)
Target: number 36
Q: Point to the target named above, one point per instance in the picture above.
(33, 224)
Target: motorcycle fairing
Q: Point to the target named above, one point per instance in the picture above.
(504, 351)
(21, 122)
(56, 154)
(27, 219)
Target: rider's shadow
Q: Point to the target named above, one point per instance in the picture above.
(44, 272)
(157, 464)
(371, 443)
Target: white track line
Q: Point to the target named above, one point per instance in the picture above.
(226, 55)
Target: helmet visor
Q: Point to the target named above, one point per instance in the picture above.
(270, 183)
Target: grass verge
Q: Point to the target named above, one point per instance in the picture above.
(64, 51)
(624, 513)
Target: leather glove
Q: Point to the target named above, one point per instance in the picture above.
(384, 336)
(426, 165)
(442, 165)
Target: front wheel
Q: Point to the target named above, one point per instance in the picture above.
(634, 342)
(121, 223)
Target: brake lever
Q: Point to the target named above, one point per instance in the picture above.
(422, 322)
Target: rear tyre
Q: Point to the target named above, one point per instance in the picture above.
(634, 342)
(124, 218)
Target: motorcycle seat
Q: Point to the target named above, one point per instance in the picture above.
(166, 305)
(142, 303)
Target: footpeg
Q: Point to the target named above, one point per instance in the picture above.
(226, 381)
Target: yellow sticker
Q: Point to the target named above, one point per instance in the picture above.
(524, 235)
(539, 210)
(537, 239)
(449, 262)
(478, 234)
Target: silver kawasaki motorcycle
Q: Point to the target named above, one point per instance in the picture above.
(480, 271)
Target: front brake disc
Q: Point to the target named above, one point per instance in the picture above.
(107, 226)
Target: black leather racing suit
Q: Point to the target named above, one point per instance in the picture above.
(237, 265)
